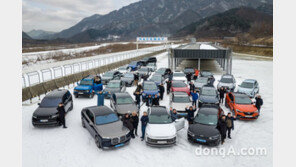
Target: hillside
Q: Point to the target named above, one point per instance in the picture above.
(40, 34)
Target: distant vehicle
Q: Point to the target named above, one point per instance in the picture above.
(47, 114)
(85, 87)
(105, 127)
(149, 88)
(152, 66)
(123, 103)
(179, 101)
(200, 82)
(241, 105)
(163, 71)
(134, 65)
(206, 74)
(250, 87)
(180, 86)
(152, 60)
(123, 69)
(208, 95)
(144, 61)
(110, 75)
(144, 72)
(179, 76)
(161, 130)
(188, 70)
(128, 79)
(157, 78)
(228, 82)
(203, 130)
(114, 86)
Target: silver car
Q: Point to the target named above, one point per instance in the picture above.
(179, 101)
(227, 81)
(200, 82)
(249, 86)
(152, 66)
(123, 103)
(114, 86)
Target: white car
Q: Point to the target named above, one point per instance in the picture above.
(161, 130)
(179, 76)
(179, 101)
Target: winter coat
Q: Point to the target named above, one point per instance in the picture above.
(222, 126)
(61, 111)
(135, 121)
(196, 72)
(232, 123)
(138, 97)
(127, 122)
(101, 98)
(139, 88)
(169, 85)
(144, 120)
(259, 102)
(222, 92)
(149, 101)
(194, 96)
(192, 87)
(190, 114)
(161, 89)
(170, 77)
(174, 116)
(98, 87)
(188, 76)
(136, 77)
(155, 101)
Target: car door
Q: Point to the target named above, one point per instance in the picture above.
(231, 101)
(179, 123)
(66, 102)
(112, 101)
(89, 123)
(122, 87)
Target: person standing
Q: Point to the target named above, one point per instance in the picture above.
(149, 101)
(139, 88)
(161, 90)
(258, 103)
(101, 98)
(169, 85)
(194, 96)
(230, 124)
(190, 113)
(155, 100)
(222, 92)
(170, 75)
(191, 86)
(211, 80)
(144, 122)
(196, 73)
(188, 76)
(135, 121)
(138, 98)
(174, 115)
(127, 122)
(62, 113)
(222, 127)
(136, 78)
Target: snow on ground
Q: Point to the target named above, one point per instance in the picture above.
(75, 147)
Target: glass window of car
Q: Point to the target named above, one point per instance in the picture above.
(156, 78)
(243, 100)
(133, 63)
(108, 74)
(161, 71)
(208, 92)
(113, 85)
(125, 100)
(151, 64)
(178, 74)
(179, 84)
(143, 69)
(206, 73)
(150, 86)
(207, 119)
(202, 80)
(50, 102)
(181, 99)
(86, 82)
(189, 70)
(105, 119)
(160, 119)
(122, 68)
(227, 80)
(247, 85)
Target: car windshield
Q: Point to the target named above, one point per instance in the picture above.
(133, 63)
(124, 100)
(86, 82)
(128, 75)
(150, 86)
(105, 119)
(179, 84)
(247, 85)
(150, 64)
(208, 92)
(156, 78)
(243, 100)
(113, 85)
(143, 69)
(207, 119)
(202, 80)
(160, 119)
(160, 71)
(187, 70)
(179, 74)
(181, 99)
(226, 80)
(206, 73)
(50, 102)
(108, 74)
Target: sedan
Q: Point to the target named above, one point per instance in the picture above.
(163, 71)
(128, 79)
(114, 86)
(200, 82)
(227, 81)
(207, 74)
(123, 103)
(179, 76)
(144, 72)
(179, 101)
(249, 86)
(149, 88)
(180, 86)
(152, 66)
(110, 75)
(208, 95)
(105, 127)
(134, 65)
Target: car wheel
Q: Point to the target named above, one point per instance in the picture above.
(98, 143)
(199, 104)
(76, 96)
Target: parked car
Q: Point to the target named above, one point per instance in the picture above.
(227, 81)
(158, 79)
(85, 87)
(152, 60)
(149, 88)
(188, 70)
(134, 65)
(47, 114)
(114, 86)
(144, 61)
(179, 76)
(249, 86)
(241, 106)
(110, 75)
(200, 82)
(128, 79)
(208, 95)
(105, 127)
(179, 101)
(123, 103)
(123, 69)
(144, 72)
(152, 66)
(161, 130)
(206, 74)
(163, 71)
(180, 86)
(203, 130)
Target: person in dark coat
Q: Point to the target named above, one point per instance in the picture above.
(222, 92)
(62, 113)
(194, 96)
(170, 75)
(139, 88)
(190, 113)
(161, 90)
(211, 80)
(188, 76)
(174, 115)
(191, 86)
(230, 124)
(155, 101)
(136, 78)
(222, 127)
(101, 98)
(149, 101)
(138, 98)
(127, 122)
(258, 103)
(135, 121)
(144, 122)
(97, 80)
(169, 85)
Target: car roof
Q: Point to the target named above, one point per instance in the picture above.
(122, 94)
(56, 93)
(180, 94)
(208, 110)
(227, 75)
(148, 82)
(250, 80)
(158, 110)
(237, 94)
(100, 110)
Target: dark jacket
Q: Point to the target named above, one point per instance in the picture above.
(135, 121)
(190, 114)
(192, 87)
(169, 85)
(222, 92)
(161, 89)
(139, 88)
(259, 102)
(188, 76)
(155, 101)
(144, 120)
(222, 126)
(101, 98)
(136, 77)
(61, 111)
(138, 97)
(232, 123)
(127, 122)
(174, 116)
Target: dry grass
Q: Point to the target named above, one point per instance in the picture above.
(253, 50)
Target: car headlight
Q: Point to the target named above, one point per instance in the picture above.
(256, 111)
(214, 137)
(54, 116)
(190, 133)
(238, 111)
(200, 101)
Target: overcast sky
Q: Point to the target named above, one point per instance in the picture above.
(56, 15)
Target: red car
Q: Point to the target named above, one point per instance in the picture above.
(241, 105)
(180, 86)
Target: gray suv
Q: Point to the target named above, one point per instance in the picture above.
(227, 81)
(249, 87)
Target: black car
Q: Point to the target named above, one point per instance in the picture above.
(152, 60)
(110, 75)
(208, 95)
(203, 130)
(207, 74)
(144, 61)
(123, 103)
(163, 72)
(128, 78)
(105, 127)
(47, 114)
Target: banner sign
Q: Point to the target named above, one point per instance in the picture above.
(152, 39)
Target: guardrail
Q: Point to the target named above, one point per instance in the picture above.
(46, 86)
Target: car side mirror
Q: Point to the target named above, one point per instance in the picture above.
(38, 104)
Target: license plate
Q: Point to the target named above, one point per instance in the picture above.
(161, 142)
(81, 93)
(201, 140)
(249, 116)
(119, 145)
(43, 120)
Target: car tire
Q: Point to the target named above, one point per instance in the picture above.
(98, 143)
(76, 96)
(199, 104)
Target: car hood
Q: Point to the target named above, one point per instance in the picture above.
(161, 130)
(246, 107)
(126, 108)
(142, 72)
(111, 130)
(126, 79)
(45, 111)
(203, 130)
(208, 99)
(180, 106)
(183, 89)
(199, 85)
(106, 78)
(180, 78)
(230, 85)
(83, 87)
(113, 90)
(245, 90)
(150, 92)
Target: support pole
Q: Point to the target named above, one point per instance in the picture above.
(198, 64)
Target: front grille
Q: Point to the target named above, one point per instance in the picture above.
(115, 141)
(248, 113)
(43, 117)
(82, 91)
(118, 140)
(156, 141)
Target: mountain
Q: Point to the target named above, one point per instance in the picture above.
(40, 34)
(242, 20)
(25, 35)
(151, 18)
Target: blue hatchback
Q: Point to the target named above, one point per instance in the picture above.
(134, 65)
(149, 88)
(87, 87)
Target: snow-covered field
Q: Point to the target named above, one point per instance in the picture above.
(74, 146)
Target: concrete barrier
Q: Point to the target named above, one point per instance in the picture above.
(37, 90)
(50, 85)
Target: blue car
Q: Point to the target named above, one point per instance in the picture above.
(149, 88)
(87, 87)
(157, 79)
(134, 65)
